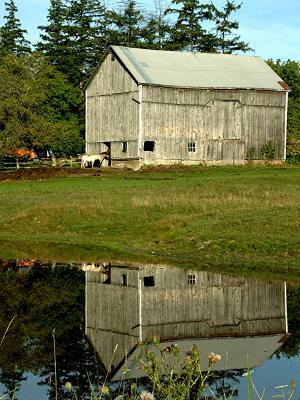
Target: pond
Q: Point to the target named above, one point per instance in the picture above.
(73, 323)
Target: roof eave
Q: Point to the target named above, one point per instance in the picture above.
(214, 87)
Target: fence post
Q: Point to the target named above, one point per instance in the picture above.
(17, 163)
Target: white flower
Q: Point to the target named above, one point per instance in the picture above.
(146, 396)
(213, 358)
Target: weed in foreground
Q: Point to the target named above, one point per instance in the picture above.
(175, 375)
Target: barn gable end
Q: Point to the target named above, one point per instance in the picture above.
(158, 107)
(112, 111)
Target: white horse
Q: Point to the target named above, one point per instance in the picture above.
(86, 159)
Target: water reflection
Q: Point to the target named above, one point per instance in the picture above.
(244, 320)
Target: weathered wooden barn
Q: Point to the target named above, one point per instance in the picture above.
(243, 319)
(164, 107)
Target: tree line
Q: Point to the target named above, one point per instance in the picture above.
(42, 104)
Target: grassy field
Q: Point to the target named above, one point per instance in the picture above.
(234, 219)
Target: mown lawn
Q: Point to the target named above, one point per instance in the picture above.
(234, 219)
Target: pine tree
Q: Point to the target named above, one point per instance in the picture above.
(87, 23)
(75, 37)
(54, 40)
(158, 28)
(12, 40)
(227, 42)
(128, 26)
(188, 32)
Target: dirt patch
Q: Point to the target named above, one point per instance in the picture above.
(47, 172)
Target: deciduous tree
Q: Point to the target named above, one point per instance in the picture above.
(289, 71)
(37, 106)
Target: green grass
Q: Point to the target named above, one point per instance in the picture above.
(234, 219)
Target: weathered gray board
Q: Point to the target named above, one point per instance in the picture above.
(214, 306)
(222, 123)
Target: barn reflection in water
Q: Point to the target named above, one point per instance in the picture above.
(242, 319)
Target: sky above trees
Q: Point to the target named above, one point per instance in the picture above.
(271, 27)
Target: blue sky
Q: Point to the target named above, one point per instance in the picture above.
(272, 27)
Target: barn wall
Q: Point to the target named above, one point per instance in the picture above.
(112, 111)
(216, 305)
(111, 318)
(222, 124)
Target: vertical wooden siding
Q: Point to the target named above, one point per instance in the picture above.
(112, 110)
(224, 124)
(111, 318)
(215, 305)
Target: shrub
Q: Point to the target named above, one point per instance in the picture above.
(268, 151)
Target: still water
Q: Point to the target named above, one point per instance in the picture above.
(74, 323)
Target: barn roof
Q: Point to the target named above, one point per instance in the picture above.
(201, 70)
(236, 353)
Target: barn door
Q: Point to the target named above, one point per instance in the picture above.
(224, 134)
(223, 119)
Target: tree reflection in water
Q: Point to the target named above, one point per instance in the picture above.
(44, 299)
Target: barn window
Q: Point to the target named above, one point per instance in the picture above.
(149, 281)
(124, 280)
(149, 145)
(191, 147)
(124, 147)
(191, 279)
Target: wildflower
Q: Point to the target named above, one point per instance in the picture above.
(126, 371)
(293, 384)
(68, 385)
(104, 389)
(213, 358)
(146, 396)
(155, 340)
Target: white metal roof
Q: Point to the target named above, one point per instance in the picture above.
(201, 70)
(236, 353)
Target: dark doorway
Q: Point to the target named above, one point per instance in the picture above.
(108, 152)
(149, 145)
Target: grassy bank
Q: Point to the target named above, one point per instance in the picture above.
(230, 218)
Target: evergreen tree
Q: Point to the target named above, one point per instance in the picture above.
(227, 42)
(54, 40)
(188, 32)
(75, 37)
(12, 40)
(158, 28)
(128, 27)
(88, 37)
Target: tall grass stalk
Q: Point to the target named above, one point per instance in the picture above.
(55, 365)
(7, 329)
